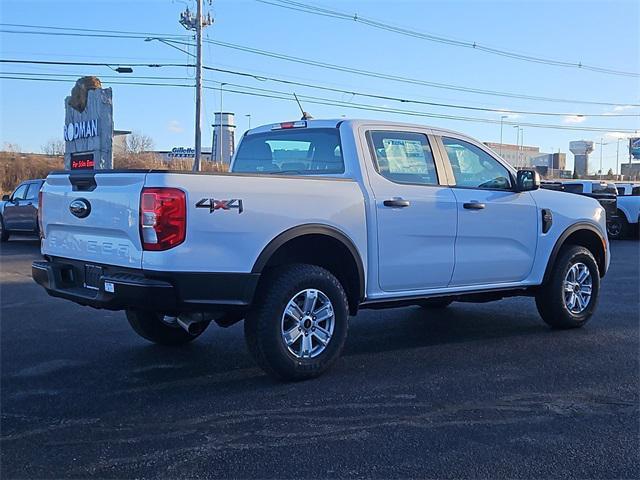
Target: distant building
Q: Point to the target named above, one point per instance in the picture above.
(119, 145)
(515, 155)
(630, 171)
(182, 153)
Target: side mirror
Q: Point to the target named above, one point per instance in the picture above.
(527, 180)
(5, 198)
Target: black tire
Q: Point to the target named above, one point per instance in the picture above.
(435, 303)
(618, 227)
(149, 325)
(4, 234)
(263, 323)
(550, 299)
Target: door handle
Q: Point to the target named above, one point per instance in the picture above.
(396, 203)
(473, 205)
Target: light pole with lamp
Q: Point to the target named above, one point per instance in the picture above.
(618, 156)
(517, 127)
(248, 115)
(501, 122)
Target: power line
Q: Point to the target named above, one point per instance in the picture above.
(325, 12)
(408, 80)
(329, 102)
(93, 30)
(335, 67)
(92, 64)
(419, 102)
(351, 92)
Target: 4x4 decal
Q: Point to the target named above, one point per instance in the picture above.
(212, 204)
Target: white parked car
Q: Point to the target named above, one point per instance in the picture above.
(317, 220)
(628, 217)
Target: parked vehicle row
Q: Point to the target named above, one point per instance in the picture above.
(628, 218)
(316, 220)
(19, 211)
(621, 202)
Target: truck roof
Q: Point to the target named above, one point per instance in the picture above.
(355, 122)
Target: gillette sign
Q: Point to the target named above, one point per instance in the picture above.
(85, 129)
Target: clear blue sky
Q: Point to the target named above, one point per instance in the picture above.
(602, 33)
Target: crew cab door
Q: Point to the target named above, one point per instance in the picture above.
(497, 226)
(415, 214)
(15, 210)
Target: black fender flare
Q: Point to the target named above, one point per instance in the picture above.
(311, 229)
(561, 241)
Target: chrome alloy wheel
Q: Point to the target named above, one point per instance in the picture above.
(578, 286)
(307, 323)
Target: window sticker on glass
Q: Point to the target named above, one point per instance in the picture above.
(405, 156)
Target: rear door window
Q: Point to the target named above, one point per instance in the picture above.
(403, 157)
(32, 192)
(304, 151)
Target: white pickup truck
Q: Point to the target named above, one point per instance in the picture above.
(316, 220)
(628, 218)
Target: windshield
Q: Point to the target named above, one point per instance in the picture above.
(305, 151)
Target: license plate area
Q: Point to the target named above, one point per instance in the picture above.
(92, 274)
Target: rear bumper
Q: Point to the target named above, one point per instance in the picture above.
(120, 288)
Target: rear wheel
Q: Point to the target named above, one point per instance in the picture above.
(4, 234)
(159, 328)
(617, 227)
(298, 325)
(570, 296)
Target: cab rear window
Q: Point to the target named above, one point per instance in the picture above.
(312, 151)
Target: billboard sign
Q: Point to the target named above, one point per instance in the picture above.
(634, 147)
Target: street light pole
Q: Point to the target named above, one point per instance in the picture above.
(248, 115)
(501, 121)
(517, 127)
(522, 144)
(618, 156)
(602, 144)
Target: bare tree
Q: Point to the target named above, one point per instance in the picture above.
(11, 147)
(53, 147)
(137, 143)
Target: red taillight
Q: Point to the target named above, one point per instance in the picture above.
(163, 218)
(40, 206)
(298, 124)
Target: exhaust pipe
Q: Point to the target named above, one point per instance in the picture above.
(193, 324)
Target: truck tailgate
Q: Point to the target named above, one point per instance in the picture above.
(110, 233)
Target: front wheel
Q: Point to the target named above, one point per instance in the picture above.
(570, 296)
(298, 325)
(159, 328)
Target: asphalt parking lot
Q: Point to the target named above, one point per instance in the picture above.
(482, 391)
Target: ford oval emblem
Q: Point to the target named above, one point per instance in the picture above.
(80, 207)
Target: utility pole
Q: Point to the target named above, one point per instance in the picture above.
(188, 21)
